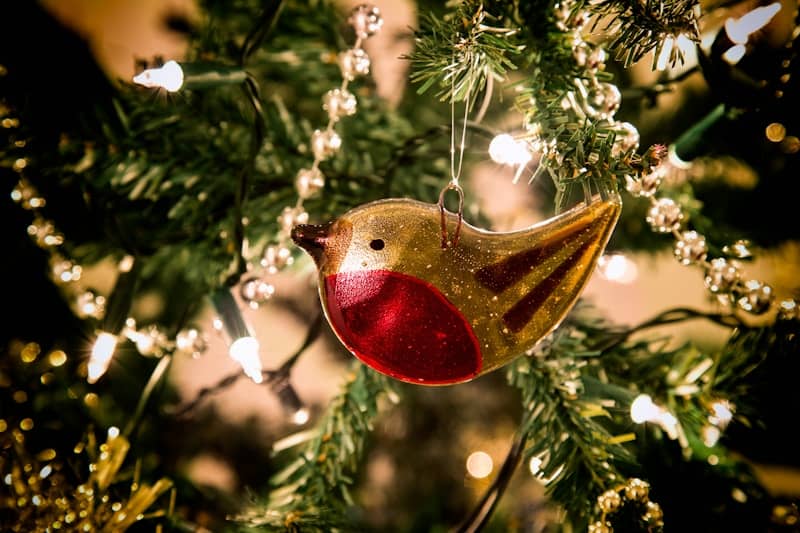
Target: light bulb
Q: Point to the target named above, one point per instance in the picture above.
(734, 54)
(244, 351)
(618, 268)
(535, 465)
(740, 30)
(169, 77)
(506, 150)
(722, 414)
(301, 416)
(644, 410)
(100, 358)
(711, 435)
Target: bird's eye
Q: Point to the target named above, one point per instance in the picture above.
(377, 244)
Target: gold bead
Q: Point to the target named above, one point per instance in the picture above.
(609, 501)
(600, 527)
(637, 490)
(654, 515)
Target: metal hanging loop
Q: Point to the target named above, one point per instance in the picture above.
(454, 186)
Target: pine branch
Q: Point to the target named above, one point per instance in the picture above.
(458, 53)
(577, 402)
(312, 491)
(637, 28)
(566, 422)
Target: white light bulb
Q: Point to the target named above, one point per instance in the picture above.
(169, 77)
(740, 30)
(711, 435)
(734, 54)
(668, 423)
(535, 465)
(644, 410)
(618, 268)
(722, 413)
(244, 351)
(301, 416)
(100, 358)
(506, 150)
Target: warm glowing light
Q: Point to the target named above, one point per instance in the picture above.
(506, 150)
(668, 423)
(535, 465)
(100, 358)
(644, 410)
(301, 416)
(734, 54)
(722, 414)
(711, 435)
(244, 351)
(739, 30)
(618, 268)
(126, 263)
(479, 464)
(113, 432)
(776, 132)
(169, 77)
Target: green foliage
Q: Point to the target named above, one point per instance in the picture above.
(172, 178)
(638, 28)
(460, 52)
(311, 492)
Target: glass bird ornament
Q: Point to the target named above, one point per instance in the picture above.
(422, 310)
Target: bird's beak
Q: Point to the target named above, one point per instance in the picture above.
(312, 238)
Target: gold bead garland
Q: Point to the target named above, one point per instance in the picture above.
(612, 500)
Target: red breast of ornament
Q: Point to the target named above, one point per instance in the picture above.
(402, 326)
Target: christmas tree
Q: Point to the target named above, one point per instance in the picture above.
(590, 250)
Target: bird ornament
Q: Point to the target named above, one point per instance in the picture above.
(423, 308)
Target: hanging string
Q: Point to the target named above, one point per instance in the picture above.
(455, 172)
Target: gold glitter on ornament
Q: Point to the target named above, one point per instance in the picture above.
(434, 313)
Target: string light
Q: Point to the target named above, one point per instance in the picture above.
(721, 413)
(734, 54)
(643, 409)
(535, 465)
(102, 352)
(618, 268)
(244, 351)
(740, 30)
(301, 416)
(506, 150)
(243, 347)
(711, 435)
(169, 76)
